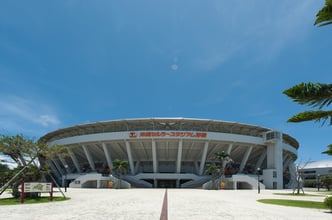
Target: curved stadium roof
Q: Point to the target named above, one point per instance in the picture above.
(317, 164)
(185, 124)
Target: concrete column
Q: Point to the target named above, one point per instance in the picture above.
(196, 167)
(274, 161)
(74, 159)
(202, 165)
(63, 161)
(108, 156)
(89, 157)
(292, 171)
(58, 167)
(137, 166)
(261, 159)
(130, 158)
(54, 169)
(245, 158)
(286, 163)
(179, 158)
(229, 149)
(154, 157)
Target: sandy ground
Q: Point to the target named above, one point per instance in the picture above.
(193, 204)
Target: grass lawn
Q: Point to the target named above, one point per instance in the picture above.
(17, 201)
(300, 194)
(295, 203)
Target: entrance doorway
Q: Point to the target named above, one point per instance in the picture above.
(166, 183)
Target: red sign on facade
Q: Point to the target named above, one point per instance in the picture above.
(184, 134)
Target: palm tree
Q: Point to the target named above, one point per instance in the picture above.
(329, 150)
(316, 95)
(214, 171)
(222, 157)
(324, 16)
(121, 167)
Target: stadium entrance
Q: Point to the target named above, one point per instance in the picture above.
(166, 183)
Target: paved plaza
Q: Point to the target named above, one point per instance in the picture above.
(193, 204)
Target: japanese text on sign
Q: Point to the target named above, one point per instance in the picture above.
(184, 134)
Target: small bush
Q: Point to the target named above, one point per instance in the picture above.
(328, 202)
(310, 183)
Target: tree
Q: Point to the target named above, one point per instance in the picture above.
(217, 171)
(121, 167)
(324, 16)
(329, 150)
(222, 157)
(5, 172)
(214, 171)
(326, 181)
(316, 95)
(29, 154)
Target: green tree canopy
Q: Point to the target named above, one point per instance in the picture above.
(324, 16)
(316, 95)
(121, 167)
(329, 150)
(28, 153)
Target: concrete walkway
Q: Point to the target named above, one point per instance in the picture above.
(193, 204)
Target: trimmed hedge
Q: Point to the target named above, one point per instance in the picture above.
(328, 202)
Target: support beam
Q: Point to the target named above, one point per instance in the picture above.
(261, 159)
(130, 158)
(196, 167)
(245, 158)
(64, 163)
(229, 149)
(58, 167)
(74, 159)
(179, 158)
(287, 162)
(108, 156)
(154, 157)
(54, 169)
(137, 166)
(202, 165)
(89, 157)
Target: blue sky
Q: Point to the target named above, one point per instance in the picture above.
(69, 62)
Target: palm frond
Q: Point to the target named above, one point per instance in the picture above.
(329, 150)
(311, 94)
(324, 16)
(317, 116)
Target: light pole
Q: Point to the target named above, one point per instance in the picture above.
(66, 167)
(318, 181)
(258, 186)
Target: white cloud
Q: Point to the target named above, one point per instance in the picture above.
(28, 116)
(47, 120)
(255, 30)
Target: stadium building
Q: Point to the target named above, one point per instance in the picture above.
(312, 171)
(173, 153)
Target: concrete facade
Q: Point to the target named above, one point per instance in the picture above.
(173, 152)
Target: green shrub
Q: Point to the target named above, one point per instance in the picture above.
(328, 202)
(310, 183)
(326, 181)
